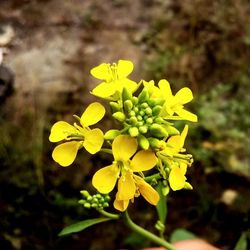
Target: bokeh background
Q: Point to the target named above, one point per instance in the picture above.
(49, 47)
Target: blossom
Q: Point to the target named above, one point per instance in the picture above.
(178, 162)
(173, 103)
(123, 170)
(77, 136)
(114, 78)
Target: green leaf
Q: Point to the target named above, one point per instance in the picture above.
(79, 226)
(162, 204)
(242, 242)
(181, 234)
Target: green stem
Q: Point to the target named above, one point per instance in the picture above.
(146, 233)
(106, 150)
(109, 215)
(152, 177)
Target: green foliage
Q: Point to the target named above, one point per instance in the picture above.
(181, 234)
(242, 242)
(79, 226)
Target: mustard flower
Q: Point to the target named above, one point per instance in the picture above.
(114, 78)
(76, 136)
(123, 169)
(173, 103)
(178, 162)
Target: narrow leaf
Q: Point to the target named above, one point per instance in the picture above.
(162, 204)
(181, 234)
(242, 243)
(79, 226)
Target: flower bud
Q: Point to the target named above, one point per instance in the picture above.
(156, 143)
(188, 186)
(143, 129)
(114, 107)
(143, 142)
(156, 110)
(126, 95)
(158, 131)
(143, 96)
(171, 130)
(119, 116)
(133, 131)
(111, 134)
(128, 105)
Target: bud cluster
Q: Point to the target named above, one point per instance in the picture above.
(98, 201)
(141, 118)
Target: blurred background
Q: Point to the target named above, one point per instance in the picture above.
(48, 48)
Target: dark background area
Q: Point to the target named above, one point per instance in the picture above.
(50, 46)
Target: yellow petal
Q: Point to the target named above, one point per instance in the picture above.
(124, 147)
(65, 153)
(104, 89)
(184, 95)
(186, 115)
(124, 68)
(93, 114)
(183, 167)
(165, 89)
(60, 130)
(121, 205)
(104, 180)
(126, 187)
(93, 140)
(176, 178)
(101, 72)
(130, 85)
(175, 142)
(149, 194)
(143, 161)
(183, 135)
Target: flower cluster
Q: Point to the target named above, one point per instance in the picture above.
(147, 145)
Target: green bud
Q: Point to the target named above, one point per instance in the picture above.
(142, 113)
(128, 105)
(139, 117)
(133, 120)
(132, 113)
(114, 107)
(188, 186)
(143, 142)
(156, 143)
(85, 193)
(143, 129)
(159, 120)
(148, 111)
(158, 131)
(171, 130)
(134, 99)
(136, 110)
(149, 120)
(126, 95)
(105, 204)
(107, 198)
(98, 196)
(165, 190)
(144, 105)
(156, 110)
(95, 200)
(143, 96)
(133, 131)
(89, 198)
(140, 123)
(94, 205)
(119, 116)
(82, 202)
(87, 205)
(111, 134)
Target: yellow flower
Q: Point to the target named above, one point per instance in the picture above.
(77, 136)
(177, 162)
(174, 103)
(114, 78)
(123, 169)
